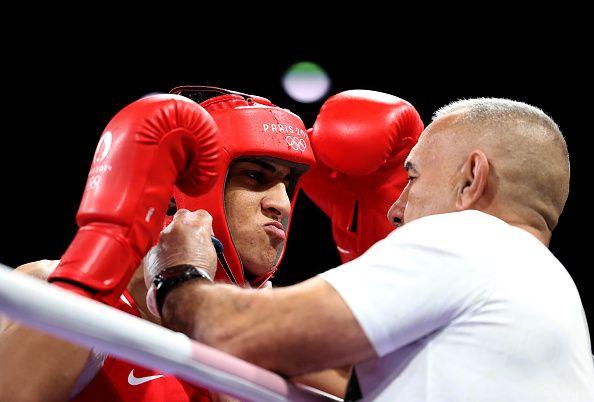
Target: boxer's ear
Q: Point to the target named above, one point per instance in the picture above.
(472, 180)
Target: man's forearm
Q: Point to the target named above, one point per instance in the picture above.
(213, 314)
(181, 305)
(293, 330)
(238, 321)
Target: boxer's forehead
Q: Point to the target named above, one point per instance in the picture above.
(271, 165)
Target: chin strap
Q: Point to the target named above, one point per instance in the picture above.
(222, 260)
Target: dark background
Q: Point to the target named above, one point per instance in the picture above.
(62, 93)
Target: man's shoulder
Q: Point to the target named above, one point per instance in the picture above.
(453, 226)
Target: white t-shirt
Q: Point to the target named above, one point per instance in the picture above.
(464, 307)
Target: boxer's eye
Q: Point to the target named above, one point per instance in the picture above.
(255, 175)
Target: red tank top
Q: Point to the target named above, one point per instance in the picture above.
(118, 380)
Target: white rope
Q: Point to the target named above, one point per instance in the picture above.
(92, 324)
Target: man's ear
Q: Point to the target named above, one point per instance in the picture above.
(473, 180)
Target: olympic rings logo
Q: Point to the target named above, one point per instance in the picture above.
(298, 144)
(94, 182)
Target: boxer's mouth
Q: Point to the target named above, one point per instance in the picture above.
(275, 230)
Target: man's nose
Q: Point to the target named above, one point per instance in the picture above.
(396, 211)
(276, 202)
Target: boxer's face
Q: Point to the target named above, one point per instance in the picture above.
(431, 185)
(257, 205)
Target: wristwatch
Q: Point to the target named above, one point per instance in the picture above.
(170, 278)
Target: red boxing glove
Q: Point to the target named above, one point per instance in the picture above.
(361, 140)
(147, 148)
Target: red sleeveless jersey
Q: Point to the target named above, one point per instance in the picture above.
(118, 380)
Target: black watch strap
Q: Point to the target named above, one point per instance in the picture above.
(174, 276)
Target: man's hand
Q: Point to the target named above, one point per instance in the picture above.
(186, 240)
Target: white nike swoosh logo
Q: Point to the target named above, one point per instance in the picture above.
(141, 380)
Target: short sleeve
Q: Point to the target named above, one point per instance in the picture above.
(414, 282)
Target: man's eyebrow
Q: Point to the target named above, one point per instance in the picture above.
(259, 162)
(408, 165)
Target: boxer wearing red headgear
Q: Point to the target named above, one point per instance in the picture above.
(252, 129)
(265, 149)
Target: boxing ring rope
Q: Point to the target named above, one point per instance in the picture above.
(94, 325)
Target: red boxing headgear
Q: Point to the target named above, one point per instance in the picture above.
(250, 126)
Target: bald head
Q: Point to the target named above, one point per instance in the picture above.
(525, 149)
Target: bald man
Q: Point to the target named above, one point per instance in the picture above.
(463, 303)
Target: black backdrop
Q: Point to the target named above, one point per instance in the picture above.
(61, 94)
